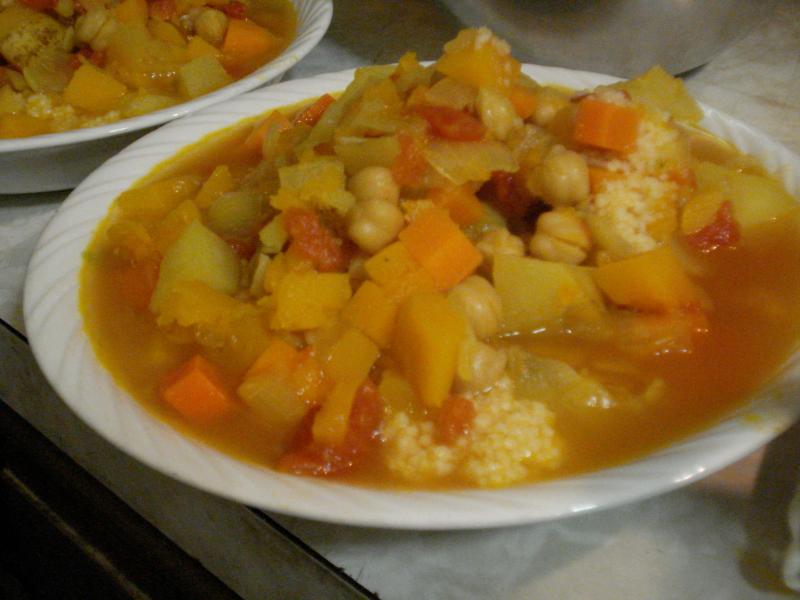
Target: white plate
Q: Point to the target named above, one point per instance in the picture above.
(60, 345)
(59, 161)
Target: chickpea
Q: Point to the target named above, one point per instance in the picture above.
(211, 25)
(563, 177)
(497, 113)
(499, 242)
(561, 236)
(374, 183)
(479, 302)
(479, 366)
(373, 224)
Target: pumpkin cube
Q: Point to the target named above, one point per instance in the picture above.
(307, 299)
(373, 312)
(93, 90)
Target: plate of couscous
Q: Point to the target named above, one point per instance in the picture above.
(461, 294)
(81, 80)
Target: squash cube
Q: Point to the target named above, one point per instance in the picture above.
(394, 269)
(372, 311)
(202, 75)
(93, 90)
(426, 342)
(307, 299)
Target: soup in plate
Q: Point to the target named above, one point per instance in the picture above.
(450, 276)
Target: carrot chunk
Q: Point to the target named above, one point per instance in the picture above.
(196, 391)
(463, 206)
(313, 113)
(524, 100)
(606, 125)
(437, 243)
(246, 45)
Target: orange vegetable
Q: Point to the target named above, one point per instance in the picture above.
(451, 124)
(163, 9)
(722, 232)
(397, 273)
(13, 126)
(373, 312)
(219, 182)
(311, 240)
(276, 120)
(606, 125)
(93, 89)
(410, 164)
(437, 243)
(463, 206)
(454, 419)
(135, 283)
(523, 99)
(196, 391)
(247, 45)
(311, 114)
(598, 177)
(278, 357)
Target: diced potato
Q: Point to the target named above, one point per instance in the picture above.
(318, 183)
(373, 312)
(198, 47)
(142, 103)
(154, 201)
(273, 236)
(376, 112)
(426, 341)
(235, 214)
(661, 90)
(197, 255)
(307, 300)
(349, 363)
(202, 75)
(93, 90)
(357, 153)
(537, 293)
(653, 281)
(756, 199)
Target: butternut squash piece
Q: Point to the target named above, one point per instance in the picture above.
(659, 89)
(349, 363)
(219, 182)
(93, 90)
(373, 312)
(202, 75)
(152, 202)
(653, 281)
(396, 271)
(426, 342)
(307, 300)
(479, 59)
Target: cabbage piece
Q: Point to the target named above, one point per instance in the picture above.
(462, 162)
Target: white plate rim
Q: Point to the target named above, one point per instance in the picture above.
(314, 18)
(62, 350)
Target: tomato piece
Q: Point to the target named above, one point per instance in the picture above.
(311, 114)
(163, 9)
(313, 241)
(235, 10)
(451, 124)
(40, 4)
(722, 232)
(410, 165)
(508, 195)
(455, 419)
(305, 457)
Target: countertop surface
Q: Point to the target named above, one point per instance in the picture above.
(722, 537)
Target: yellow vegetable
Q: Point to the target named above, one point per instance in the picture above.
(197, 47)
(652, 281)
(479, 59)
(93, 90)
(166, 32)
(307, 300)
(154, 201)
(659, 89)
(700, 210)
(426, 342)
(537, 293)
(396, 271)
(372, 311)
(273, 236)
(219, 182)
(202, 75)
(349, 363)
(318, 183)
(172, 226)
(132, 11)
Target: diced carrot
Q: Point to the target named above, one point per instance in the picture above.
(278, 357)
(310, 239)
(196, 391)
(410, 164)
(437, 243)
(463, 206)
(722, 232)
(451, 124)
(598, 177)
(606, 125)
(246, 45)
(454, 419)
(275, 120)
(523, 99)
(311, 114)
(306, 457)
